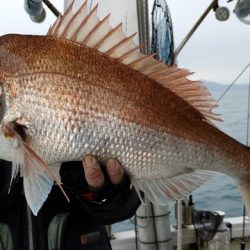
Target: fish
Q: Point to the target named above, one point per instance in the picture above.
(84, 88)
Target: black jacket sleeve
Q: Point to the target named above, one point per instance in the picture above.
(111, 204)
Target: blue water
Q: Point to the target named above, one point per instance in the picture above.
(220, 193)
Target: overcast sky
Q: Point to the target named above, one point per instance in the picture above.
(218, 51)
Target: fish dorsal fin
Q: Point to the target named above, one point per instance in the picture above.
(84, 27)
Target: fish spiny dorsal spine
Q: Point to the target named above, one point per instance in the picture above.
(86, 28)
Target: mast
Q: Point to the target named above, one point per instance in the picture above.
(152, 220)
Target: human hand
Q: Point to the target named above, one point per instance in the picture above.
(94, 175)
(110, 198)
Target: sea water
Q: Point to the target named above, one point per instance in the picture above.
(220, 193)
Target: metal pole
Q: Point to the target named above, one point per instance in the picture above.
(213, 4)
(143, 23)
(179, 225)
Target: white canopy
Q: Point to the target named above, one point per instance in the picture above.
(124, 11)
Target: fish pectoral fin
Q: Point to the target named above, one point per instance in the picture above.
(161, 191)
(38, 179)
(37, 186)
(55, 169)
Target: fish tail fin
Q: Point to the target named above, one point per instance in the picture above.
(244, 186)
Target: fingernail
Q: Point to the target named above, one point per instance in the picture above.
(115, 171)
(90, 161)
(113, 164)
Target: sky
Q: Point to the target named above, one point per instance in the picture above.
(217, 52)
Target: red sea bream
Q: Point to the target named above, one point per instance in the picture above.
(84, 88)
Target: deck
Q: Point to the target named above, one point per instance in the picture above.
(126, 240)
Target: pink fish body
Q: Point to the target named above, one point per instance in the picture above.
(85, 89)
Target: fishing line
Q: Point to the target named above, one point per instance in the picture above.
(243, 242)
(145, 204)
(231, 85)
(90, 5)
(126, 18)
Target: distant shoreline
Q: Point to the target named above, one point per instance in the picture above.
(218, 86)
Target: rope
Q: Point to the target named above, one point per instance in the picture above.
(154, 216)
(146, 202)
(155, 229)
(155, 242)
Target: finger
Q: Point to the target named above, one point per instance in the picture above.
(115, 171)
(93, 173)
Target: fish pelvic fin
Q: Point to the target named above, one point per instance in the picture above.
(83, 26)
(38, 179)
(161, 191)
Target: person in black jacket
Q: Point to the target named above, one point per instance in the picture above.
(98, 196)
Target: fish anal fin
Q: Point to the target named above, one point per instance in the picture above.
(160, 191)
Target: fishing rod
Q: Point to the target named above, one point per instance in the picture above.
(36, 11)
(242, 11)
(213, 5)
(53, 9)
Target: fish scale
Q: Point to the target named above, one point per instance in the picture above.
(95, 94)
